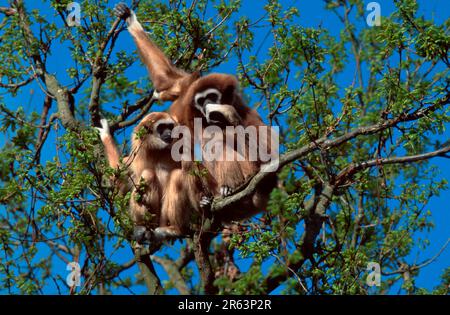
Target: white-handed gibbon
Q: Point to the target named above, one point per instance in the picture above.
(215, 98)
(149, 168)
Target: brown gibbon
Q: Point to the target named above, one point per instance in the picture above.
(149, 168)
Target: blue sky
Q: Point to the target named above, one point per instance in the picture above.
(312, 14)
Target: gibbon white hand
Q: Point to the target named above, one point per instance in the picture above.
(104, 129)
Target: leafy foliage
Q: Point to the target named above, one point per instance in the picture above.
(58, 206)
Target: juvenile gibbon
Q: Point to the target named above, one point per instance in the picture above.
(216, 100)
(150, 167)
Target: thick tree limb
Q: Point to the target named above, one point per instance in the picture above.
(64, 101)
(148, 271)
(186, 255)
(29, 37)
(97, 82)
(175, 276)
(136, 259)
(62, 95)
(202, 241)
(314, 221)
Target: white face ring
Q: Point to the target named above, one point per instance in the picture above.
(164, 121)
(203, 94)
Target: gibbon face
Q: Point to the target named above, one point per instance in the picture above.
(214, 97)
(154, 132)
(204, 98)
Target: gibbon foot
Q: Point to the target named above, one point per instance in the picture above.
(156, 95)
(205, 202)
(122, 11)
(225, 191)
(162, 234)
(141, 235)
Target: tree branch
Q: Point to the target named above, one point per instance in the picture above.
(8, 11)
(64, 101)
(313, 223)
(314, 220)
(62, 95)
(175, 276)
(418, 266)
(148, 272)
(15, 86)
(144, 104)
(186, 255)
(350, 170)
(202, 241)
(323, 143)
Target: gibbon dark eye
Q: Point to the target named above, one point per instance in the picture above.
(163, 127)
(212, 97)
(201, 101)
(165, 132)
(208, 96)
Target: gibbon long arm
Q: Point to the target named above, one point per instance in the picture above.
(111, 150)
(167, 79)
(150, 170)
(113, 156)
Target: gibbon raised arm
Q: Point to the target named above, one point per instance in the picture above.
(168, 80)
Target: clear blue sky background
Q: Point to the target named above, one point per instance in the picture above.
(312, 14)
